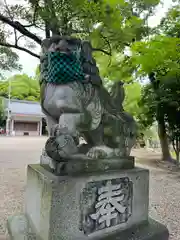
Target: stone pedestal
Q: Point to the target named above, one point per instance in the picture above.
(107, 206)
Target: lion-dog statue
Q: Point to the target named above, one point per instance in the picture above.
(76, 104)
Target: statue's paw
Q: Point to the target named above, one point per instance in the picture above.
(100, 152)
(96, 153)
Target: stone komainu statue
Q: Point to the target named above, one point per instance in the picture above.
(76, 104)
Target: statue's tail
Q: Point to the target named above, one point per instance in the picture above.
(112, 100)
(106, 101)
(117, 94)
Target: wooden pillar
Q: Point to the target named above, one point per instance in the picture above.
(40, 127)
(12, 127)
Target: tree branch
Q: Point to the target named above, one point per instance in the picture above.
(18, 26)
(29, 25)
(20, 48)
(108, 43)
(34, 16)
(53, 24)
(101, 50)
(79, 31)
(11, 17)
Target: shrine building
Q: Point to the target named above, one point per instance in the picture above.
(25, 118)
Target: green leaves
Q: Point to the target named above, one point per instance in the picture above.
(133, 96)
(110, 25)
(161, 55)
(170, 24)
(22, 88)
(8, 60)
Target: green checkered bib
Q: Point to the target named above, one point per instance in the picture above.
(61, 68)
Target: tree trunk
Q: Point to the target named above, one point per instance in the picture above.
(52, 21)
(166, 156)
(47, 30)
(177, 157)
(177, 149)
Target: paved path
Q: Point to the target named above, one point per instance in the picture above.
(16, 153)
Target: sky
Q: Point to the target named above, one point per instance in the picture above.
(30, 63)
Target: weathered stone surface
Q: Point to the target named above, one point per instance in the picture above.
(79, 166)
(19, 229)
(105, 204)
(150, 231)
(62, 207)
(77, 104)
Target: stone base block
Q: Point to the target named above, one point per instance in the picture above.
(20, 230)
(78, 165)
(86, 207)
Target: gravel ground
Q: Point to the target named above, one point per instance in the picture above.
(16, 153)
(164, 196)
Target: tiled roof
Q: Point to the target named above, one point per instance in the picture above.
(24, 107)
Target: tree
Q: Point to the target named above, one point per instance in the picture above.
(147, 107)
(163, 104)
(170, 94)
(158, 57)
(174, 132)
(158, 54)
(154, 57)
(8, 60)
(133, 96)
(170, 27)
(170, 24)
(22, 88)
(109, 24)
(2, 115)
